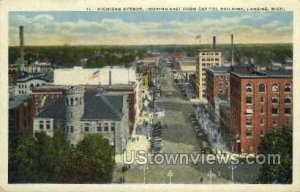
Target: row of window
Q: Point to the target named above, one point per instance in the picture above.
(274, 99)
(262, 122)
(248, 131)
(274, 111)
(209, 64)
(74, 101)
(210, 53)
(262, 88)
(210, 59)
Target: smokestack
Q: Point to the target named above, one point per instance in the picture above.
(232, 51)
(22, 54)
(214, 42)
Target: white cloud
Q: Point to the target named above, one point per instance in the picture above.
(116, 31)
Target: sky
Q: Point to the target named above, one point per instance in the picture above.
(144, 28)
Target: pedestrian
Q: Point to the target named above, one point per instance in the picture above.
(201, 180)
(123, 179)
(137, 138)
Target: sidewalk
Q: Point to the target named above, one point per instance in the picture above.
(137, 142)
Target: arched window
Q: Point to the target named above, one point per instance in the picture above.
(262, 88)
(287, 87)
(274, 88)
(274, 99)
(72, 101)
(287, 99)
(31, 86)
(248, 88)
(76, 101)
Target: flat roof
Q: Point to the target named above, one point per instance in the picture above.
(17, 100)
(219, 69)
(266, 73)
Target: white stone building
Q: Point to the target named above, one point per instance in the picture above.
(80, 113)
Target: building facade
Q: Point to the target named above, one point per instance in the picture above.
(21, 113)
(259, 102)
(206, 58)
(80, 113)
(217, 81)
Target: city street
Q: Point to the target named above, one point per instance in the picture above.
(177, 137)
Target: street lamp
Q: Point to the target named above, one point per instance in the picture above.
(144, 169)
(232, 167)
(210, 175)
(170, 174)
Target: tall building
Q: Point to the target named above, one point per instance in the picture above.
(206, 58)
(259, 102)
(217, 81)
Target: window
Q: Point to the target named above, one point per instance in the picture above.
(106, 127)
(249, 133)
(71, 129)
(99, 127)
(287, 87)
(274, 88)
(262, 88)
(86, 127)
(249, 88)
(274, 121)
(262, 99)
(261, 121)
(262, 133)
(248, 99)
(112, 126)
(249, 111)
(248, 121)
(287, 110)
(274, 99)
(287, 99)
(274, 110)
(262, 110)
(47, 124)
(41, 124)
(287, 122)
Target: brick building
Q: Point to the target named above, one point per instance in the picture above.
(217, 84)
(259, 102)
(21, 113)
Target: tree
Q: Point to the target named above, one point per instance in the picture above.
(23, 155)
(38, 159)
(280, 141)
(91, 161)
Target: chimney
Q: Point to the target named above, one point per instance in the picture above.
(214, 42)
(22, 54)
(232, 51)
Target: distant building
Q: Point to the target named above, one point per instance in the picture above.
(80, 113)
(95, 76)
(206, 58)
(187, 66)
(25, 85)
(259, 102)
(21, 113)
(42, 96)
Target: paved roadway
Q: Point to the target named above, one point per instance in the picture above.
(178, 137)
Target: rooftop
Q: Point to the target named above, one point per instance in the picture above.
(17, 100)
(266, 73)
(96, 107)
(219, 69)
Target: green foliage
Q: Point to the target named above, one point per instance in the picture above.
(44, 159)
(92, 161)
(280, 141)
